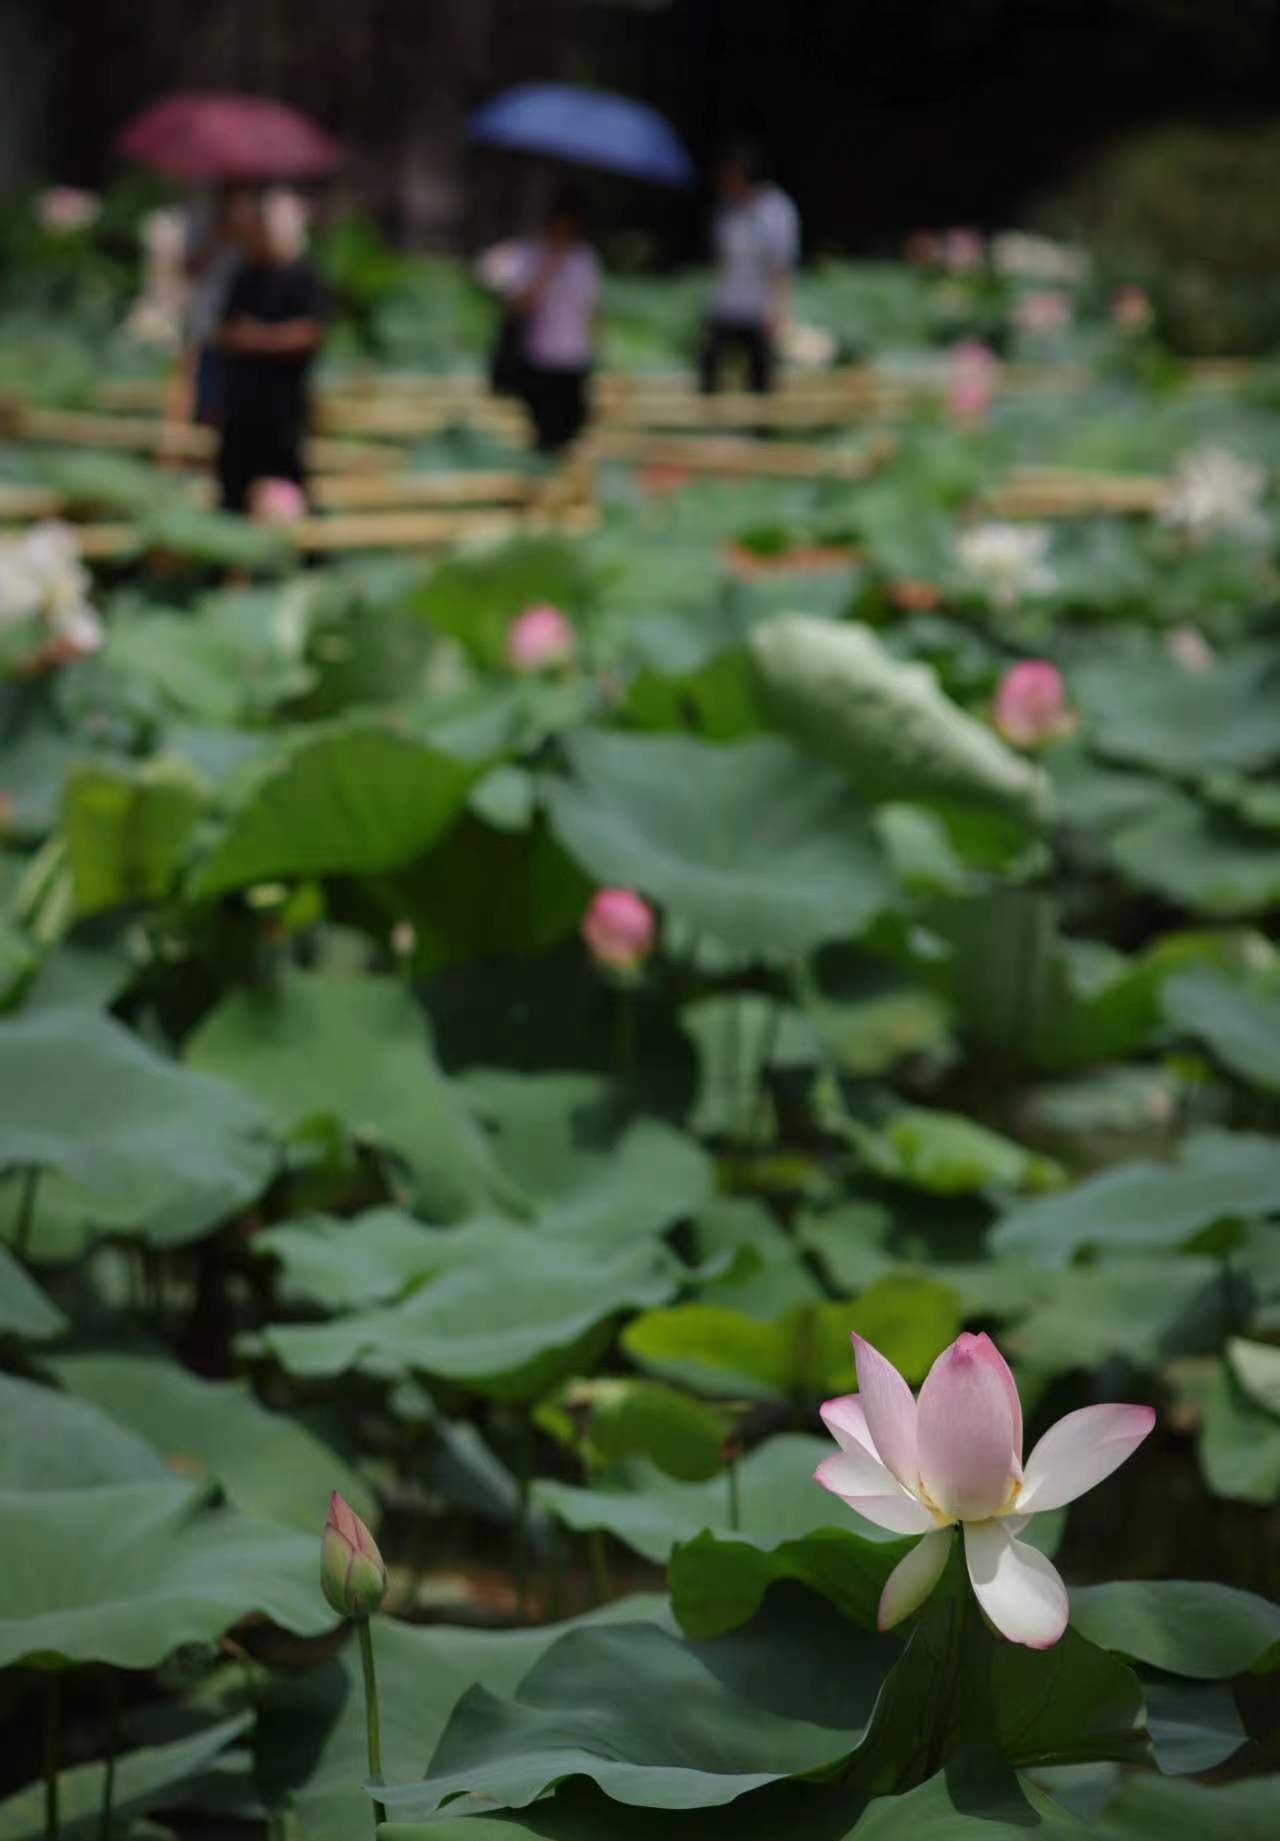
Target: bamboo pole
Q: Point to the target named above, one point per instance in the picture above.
(739, 457)
(380, 530)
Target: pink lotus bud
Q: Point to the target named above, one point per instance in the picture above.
(540, 639)
(352, 1572)
(1030, 705)
(1042, 310)
(64, 209)
(278, 501)
(971, 380)
(1131, 309)
(953, 1457)
(619, 929)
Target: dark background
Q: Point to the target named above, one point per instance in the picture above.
(880, 115)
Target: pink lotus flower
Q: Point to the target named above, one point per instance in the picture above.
(64, 209)
(1042, 310)
(971, 380)
(1131, 309)
(955, 1456)
(1030, 705)
(540, 639)
(278, 501)
(619, 929)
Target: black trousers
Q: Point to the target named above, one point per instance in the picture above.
(252, 449)
(557, 405)
(723, 338)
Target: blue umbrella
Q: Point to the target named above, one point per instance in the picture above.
(592, 127)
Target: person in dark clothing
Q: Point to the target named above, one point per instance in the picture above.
(273, 320)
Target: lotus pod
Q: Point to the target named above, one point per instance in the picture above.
(833, 687)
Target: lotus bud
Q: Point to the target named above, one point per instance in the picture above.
(278, 501)
(1030, 706)
(540, 639)
(619, 929)
(352, 1572)
(971, 380)
(1043, 310)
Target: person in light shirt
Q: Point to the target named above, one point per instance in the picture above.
(553, 284)
(756, 235)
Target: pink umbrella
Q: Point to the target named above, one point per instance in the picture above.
(203, 135)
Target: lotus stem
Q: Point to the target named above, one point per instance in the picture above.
(373, 1732)
(52, 1746)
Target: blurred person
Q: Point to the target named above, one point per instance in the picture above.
(552, 285)
(215, 249)
(272, 324)
(756, 237)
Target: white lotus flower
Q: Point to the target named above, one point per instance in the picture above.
(42, 581)
(1007, 560)
(1212, 491)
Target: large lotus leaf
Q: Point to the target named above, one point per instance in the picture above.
(336, 798)
(1158, 714)
(1200, 859)
(127, 828)
(1194, 1725)
(629, 1418)
(1239, 1025)
(749, 846)
(509, 1311)
(787, 1694)
(1185, 1627)
(359, 1050)
(145, 1145)
(804, 1351)
(1035, 1707)
(345, 1265)
(1239, 1442)
(311, 1730)
(128, 1572)
(195, 666)
(1175, 1811)
(558, 1138)
(1149, 1207)
(886, 723)
(777, 1498)
(49, 1440)
(25, 1312)
(946, 1153)
(268, 1464)
(1136, 1310)
(977, 1798)
(717, 1581)
(1104, 1005)
(141, 1780)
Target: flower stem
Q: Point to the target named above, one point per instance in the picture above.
(735, 1498)
(52, 1745)
(109, 1776)
(28, 1179)
(371, 1710)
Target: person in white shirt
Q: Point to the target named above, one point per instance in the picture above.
(553, 285)
(756, 235)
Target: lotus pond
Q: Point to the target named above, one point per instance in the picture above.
(487, 1064)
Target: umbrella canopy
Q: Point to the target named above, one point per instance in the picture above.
(591, 127)
(204, 135)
